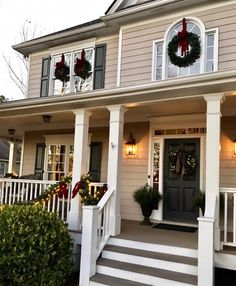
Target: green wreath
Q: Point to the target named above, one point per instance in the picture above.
(82, 69)
(191, 56)
(62, 73)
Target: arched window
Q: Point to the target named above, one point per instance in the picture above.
(164, 69)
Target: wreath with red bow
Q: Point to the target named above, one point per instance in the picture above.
(183, 40)
(62, 71)
(82, 67)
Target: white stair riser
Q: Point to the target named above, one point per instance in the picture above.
(149, 262)
(92, 283)
(154, 247)
(138, 277)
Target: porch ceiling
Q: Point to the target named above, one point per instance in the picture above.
(64, 120)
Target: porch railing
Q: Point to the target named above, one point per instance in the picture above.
(228, 207)
(95, 234)
(13, 191)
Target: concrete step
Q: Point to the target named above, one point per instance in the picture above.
(144, 274)
(182, 264)
(105, 280)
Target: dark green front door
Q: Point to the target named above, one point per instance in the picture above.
(181, 179)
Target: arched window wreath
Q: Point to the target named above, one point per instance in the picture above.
(207, 62)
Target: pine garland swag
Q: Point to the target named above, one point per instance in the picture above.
(191, 57)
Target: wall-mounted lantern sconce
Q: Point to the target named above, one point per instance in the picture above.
(46, 118)
(130, 146)
(11, 131)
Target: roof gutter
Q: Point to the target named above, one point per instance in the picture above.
(58, 35)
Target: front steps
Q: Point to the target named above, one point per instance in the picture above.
(129, 263)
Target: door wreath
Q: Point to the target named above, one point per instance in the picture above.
(182, 162)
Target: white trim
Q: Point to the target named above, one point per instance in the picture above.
(114, 7)
(179, 14)
(154, 58)
(119, 58)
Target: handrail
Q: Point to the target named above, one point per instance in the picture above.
(27, 181)
(104, 221)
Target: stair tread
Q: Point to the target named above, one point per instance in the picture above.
(113, 281)
(155, 272)
(153, 255)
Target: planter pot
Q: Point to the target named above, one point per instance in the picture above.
(146, 211)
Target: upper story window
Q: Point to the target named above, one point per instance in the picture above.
(71, 79)
(74, 71)
(164, 69)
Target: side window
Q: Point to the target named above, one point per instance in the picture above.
(210, 52)
(158, 66)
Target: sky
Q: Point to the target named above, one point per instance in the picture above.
(43, 16)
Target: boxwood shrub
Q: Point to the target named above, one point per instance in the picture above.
(35, 247)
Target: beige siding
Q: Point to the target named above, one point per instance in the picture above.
(111, 62)
(137, 46)
(30, 152)
(134, 171)
(228, 159)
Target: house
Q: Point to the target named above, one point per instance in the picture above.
(163, 71)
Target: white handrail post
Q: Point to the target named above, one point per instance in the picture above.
(89, 244)
(206, 251)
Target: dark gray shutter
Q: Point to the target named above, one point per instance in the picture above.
(45, 77)
(39, 162)
(95, 161)
(99, 66)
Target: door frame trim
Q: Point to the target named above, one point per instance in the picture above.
(157, 215)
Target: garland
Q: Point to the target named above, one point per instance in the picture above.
(82, 67)
(182, 162)
(182, 40)
(62, 71)
(88, 197)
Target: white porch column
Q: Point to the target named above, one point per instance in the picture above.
(12, 158)
(79, 163)
(213, 156)
(114, 163)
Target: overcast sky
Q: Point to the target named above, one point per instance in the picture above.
(47, 16)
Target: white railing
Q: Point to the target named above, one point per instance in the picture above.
(103, 221)
(14, 191)
(96, 232)
(229, 216)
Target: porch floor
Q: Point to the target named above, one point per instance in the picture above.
(132, 230)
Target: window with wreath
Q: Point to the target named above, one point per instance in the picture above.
(188, 49)
(72, 71)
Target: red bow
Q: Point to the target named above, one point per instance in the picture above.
(76, 189)
(61, 63)
(63, 191)
(183, 41)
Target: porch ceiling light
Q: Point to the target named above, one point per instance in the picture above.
(46, 118)
(11, 131)
(130, 146)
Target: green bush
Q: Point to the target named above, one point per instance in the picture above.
(35, 247)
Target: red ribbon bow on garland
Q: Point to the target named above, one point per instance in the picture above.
(63, 191)
(183, 41)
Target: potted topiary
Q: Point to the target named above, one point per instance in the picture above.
(147, 197)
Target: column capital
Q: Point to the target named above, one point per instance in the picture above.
(119, 107)
(82, 111)
(214, 97)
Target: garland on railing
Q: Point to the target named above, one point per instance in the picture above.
(88, 197)
(60, 189)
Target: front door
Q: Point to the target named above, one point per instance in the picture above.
(181, 179)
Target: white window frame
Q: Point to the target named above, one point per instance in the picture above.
(72, 53)
(203, 38)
